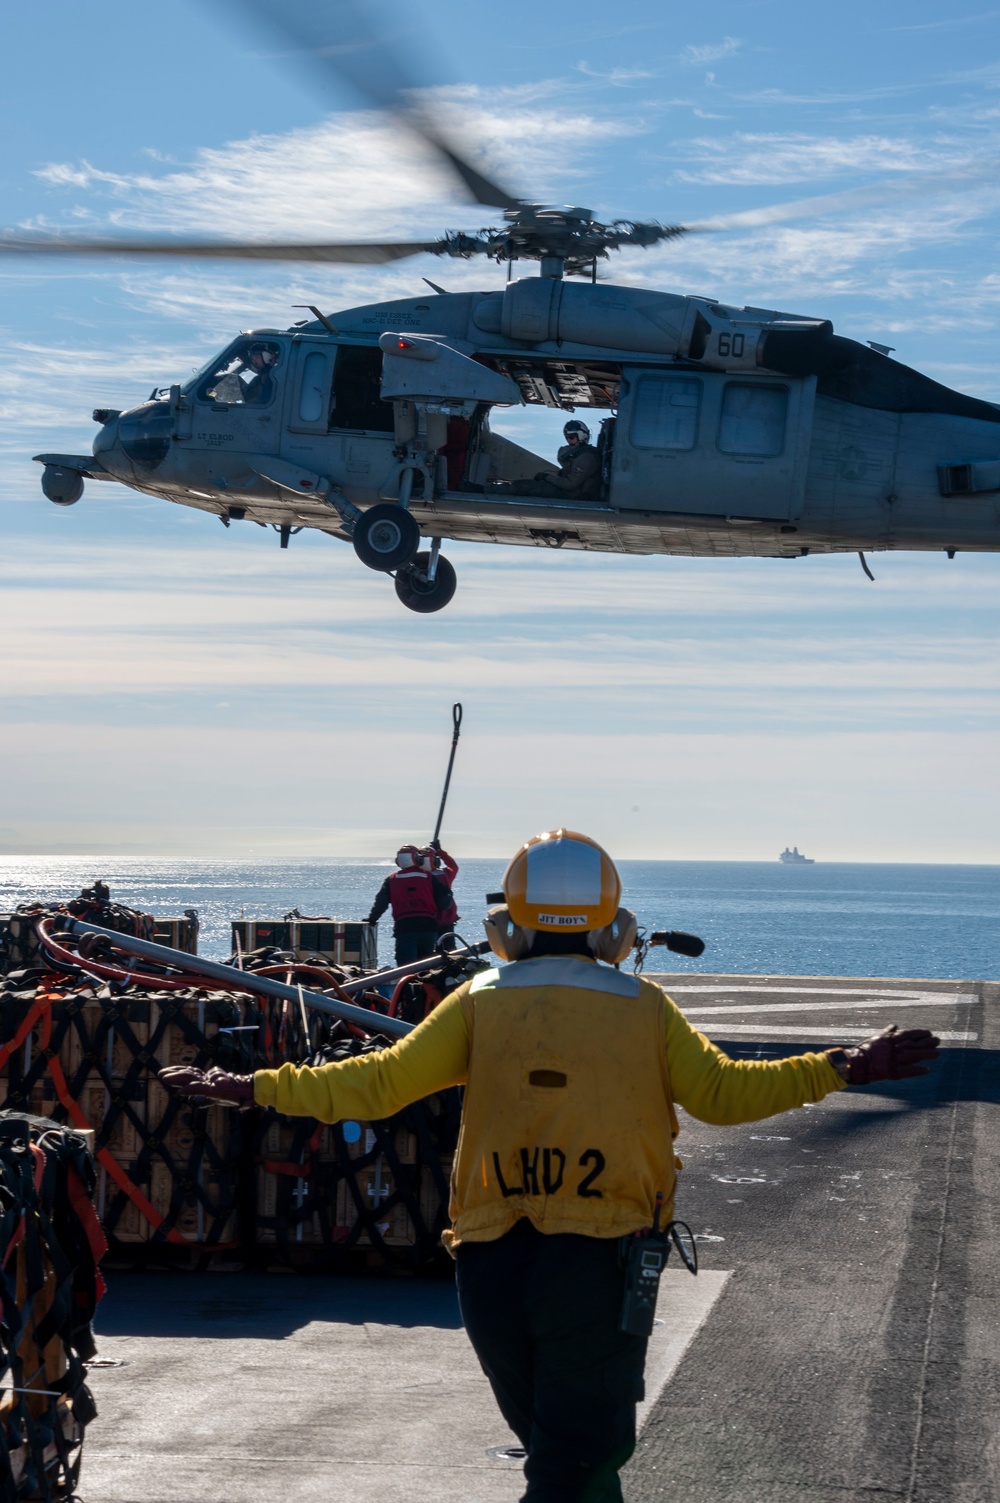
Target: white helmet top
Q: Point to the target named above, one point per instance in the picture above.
(580, 429)
(562, 880)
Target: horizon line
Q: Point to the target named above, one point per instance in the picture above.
(382, 858)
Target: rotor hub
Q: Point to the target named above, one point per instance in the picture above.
(568, 241)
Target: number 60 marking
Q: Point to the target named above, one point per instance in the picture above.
(731, 344)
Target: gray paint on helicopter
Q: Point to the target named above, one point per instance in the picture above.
(848, 475)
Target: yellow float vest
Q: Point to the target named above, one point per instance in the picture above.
(568, 1116)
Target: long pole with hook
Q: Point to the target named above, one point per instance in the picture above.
(456, 720)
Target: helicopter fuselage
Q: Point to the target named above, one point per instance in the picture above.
(725, 431)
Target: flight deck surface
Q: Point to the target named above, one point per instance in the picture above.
(841, 1343)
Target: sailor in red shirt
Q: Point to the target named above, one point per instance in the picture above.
(416, 897)
(445, 868)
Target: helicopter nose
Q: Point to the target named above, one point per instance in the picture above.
(142, 434)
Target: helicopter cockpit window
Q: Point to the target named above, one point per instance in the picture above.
(665, 413)
(752, 420)
(244, 376)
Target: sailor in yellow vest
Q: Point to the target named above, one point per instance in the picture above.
(571, 1070)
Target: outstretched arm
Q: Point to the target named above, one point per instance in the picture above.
(369, 1087)
(377, 1085)
(724, 1091)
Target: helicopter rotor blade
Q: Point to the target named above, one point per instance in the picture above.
(362, 253)
(337, 36)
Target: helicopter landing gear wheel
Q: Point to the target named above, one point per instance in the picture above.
(386, 537)
(418, 593)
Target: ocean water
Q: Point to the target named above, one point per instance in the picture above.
(761, 918)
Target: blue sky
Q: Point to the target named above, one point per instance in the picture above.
(174, 688)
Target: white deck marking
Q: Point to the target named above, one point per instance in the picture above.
(813, 1030)
(701, 1008)
(684, 1304)
(900, 995)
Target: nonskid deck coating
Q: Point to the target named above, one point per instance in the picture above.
(839, 1344)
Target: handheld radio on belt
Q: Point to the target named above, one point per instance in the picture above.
(645, 1255)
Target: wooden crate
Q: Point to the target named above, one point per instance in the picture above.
(97, 1101)
(175, 1045)
(193, 1221)
(404, 1142)
(178, 932)
(375, 1185)
(307, 1231)
(132, 1225)
(187, 1123)
(328, 941)
(111, 1049)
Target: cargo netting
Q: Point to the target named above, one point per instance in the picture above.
(81, 1042)
(51, 1244)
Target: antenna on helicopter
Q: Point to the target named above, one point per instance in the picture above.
(320, 317)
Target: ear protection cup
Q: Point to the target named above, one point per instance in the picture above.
(613, 943)
(506, 939)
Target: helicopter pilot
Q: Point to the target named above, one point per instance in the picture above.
(577, 479)
(258, 363)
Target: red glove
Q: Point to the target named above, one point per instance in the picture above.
(890, 1055)
(213, 1084)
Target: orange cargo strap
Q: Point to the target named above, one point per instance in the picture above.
(103, 1155)
(34, 1013)
(293, 1170)
(38, 1174)
(83, 1207)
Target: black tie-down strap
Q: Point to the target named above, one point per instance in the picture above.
(50, 1247)
(325, 1192)
(90, 1056)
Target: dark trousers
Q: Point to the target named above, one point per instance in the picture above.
(414, 944)
(542, 1313)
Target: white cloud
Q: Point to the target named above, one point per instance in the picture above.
(350, 177)
(225, 614)
(931, 267)
(753, 157)
(617, 76)
(712, 52)
(47, 393)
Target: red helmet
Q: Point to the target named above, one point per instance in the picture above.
(407, 857)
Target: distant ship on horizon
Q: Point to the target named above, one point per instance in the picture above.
(794, 857)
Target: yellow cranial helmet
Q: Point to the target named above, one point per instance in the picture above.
(560, 882)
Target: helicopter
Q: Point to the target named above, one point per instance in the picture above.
(723, 431)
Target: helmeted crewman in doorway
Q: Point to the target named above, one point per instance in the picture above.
(572, 1070)
(416, 897)
(577, 479)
